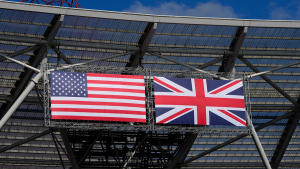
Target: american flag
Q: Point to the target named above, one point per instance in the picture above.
(199, 101)
(94, 96)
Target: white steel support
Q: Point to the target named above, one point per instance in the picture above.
(90, 61)
(20, 52)
(258, 144)
(24, 94)
(270, 81)
(19, 62)
(42, 53)
(186, 65)
(274, 69)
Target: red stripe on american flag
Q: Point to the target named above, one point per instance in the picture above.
(167, 85)
(233, 117)
(115, 89)
(98, 103)
(115, 76)
(175, 115)
(116, 97)
(98, 111)
(115, 82)
(226, 87)
(99, 118)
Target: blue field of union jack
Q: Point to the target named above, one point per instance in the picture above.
(199, 101)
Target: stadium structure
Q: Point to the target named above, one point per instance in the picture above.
(35, 37)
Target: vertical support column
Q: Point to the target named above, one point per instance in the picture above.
(258, 144)
(144, 43)
(68, 148)
(179, 158)
(236, 44)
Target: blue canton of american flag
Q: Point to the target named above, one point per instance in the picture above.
(68, 84)
(199, 101)
(94, 96)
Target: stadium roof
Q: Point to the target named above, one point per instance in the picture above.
(27, 31)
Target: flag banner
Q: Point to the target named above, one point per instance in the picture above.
(95, 96)
(199, 101)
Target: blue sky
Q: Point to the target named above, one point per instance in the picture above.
(250, 9)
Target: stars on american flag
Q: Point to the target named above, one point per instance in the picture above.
(68, 84)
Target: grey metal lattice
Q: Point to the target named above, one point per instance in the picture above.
(150, 110)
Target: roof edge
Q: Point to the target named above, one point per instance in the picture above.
(148, 17)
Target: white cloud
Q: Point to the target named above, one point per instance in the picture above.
(290, 11)
(208, 9)
(279, 13)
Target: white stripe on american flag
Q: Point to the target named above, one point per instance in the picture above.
(117, 93)
(115, 79)
(98, 100)
(98, 114)
(96, 107)
(116, 86)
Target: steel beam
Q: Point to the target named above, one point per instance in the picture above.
(54, 29)
(20, 52)
(274, 69)
(62, 55)
(139, 145)
(258, 144)
(68, 147)
(284, 141)
(90, 148)
(20, 99)
(25, 141)
(270, 82)
(238, 138)
(149, 50)
(205, 65)
(186, 65)
(143, 44)
(19, 62)
(116, 151)
(90, 61)
(236, 44)
(62, 163)
(184, 149)
(41, 53)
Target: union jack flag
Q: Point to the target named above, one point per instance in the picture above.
(199, 101)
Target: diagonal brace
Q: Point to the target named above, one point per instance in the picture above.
(269, 81)
(238, 137)
(186, 65)
(20, 52)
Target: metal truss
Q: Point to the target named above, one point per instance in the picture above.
(150, 125)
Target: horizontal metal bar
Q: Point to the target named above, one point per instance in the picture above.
(149, 50)
(21, 63)
(25, 140)
(90, 61)
(271, 70)
(186, 65)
